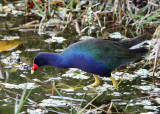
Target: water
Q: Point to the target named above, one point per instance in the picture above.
(135, 94)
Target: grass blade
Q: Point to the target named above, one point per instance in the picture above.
(39, 9)
(22, 100)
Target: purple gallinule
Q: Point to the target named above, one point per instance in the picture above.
(96, 56)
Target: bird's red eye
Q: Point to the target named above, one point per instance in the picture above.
(36, 62)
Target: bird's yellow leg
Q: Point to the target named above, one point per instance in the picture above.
(96, 82)
(113, 81)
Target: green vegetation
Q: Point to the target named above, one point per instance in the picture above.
(18, 106)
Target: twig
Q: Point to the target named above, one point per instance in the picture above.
(99, 23)
(29, 23)
(155, 59)
(17, 28)
(77, 27)
(6, 1)
(153, 4)
(99, 108)
(109, 109)
(4, 81)
(3, 84)
(64, 28)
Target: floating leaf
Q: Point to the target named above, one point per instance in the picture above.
(9, 45)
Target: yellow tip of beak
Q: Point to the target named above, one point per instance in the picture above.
(32, 71)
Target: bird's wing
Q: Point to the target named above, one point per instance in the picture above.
(110, 53)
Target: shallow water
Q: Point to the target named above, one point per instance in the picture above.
(135, 94)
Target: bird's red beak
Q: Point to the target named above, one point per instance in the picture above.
(34, 68)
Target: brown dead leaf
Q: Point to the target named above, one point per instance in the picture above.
(9, 44)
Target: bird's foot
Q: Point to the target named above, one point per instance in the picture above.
(96, 83)
(115, 83)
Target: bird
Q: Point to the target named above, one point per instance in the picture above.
(97, 56)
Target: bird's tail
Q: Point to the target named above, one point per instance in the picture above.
(140, 51)
(134, 41)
